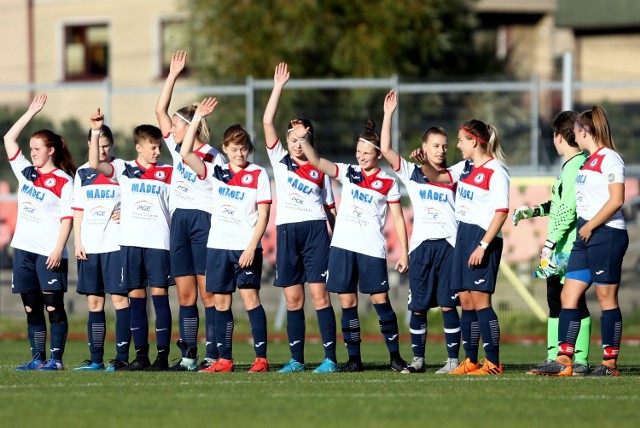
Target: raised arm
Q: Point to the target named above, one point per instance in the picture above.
(178, 62)
(324, 165)
(204, 109)
(11, 137)
(390, 105)
(401, 229)
(95, 122)
(280, 78)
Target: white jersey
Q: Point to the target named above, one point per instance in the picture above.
(302, 190)
(44, 200)
(187, 191)
(482, 191)
(144, 216)
(434, 215)
(363, 210)
(97, 196)
(602, 168)
(236, 197)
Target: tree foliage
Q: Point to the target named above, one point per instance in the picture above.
(333, 38)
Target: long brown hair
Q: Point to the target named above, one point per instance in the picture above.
(487, 135)
(203, 128)
(596, 123)
(61, 156)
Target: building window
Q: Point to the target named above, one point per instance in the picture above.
(86, 52)
(174, 37)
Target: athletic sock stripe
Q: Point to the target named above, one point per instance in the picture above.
(421, 331)
(452, 330)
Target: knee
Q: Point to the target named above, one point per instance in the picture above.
(54, 305)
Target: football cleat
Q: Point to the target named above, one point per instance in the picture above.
(561, 366)
(604, 370)
(326, 366)
(89, 365)
(488, 368)
(260, 365)
(51, 365)
(206, 363)
(465, 367)
(159, 365)
(416, 366)
(580, 369)
(398, 364)
(220, 366)
(116, 365)
(292, 367)
(449, 365)
(34, 364)
(139, 364)
(351, 367)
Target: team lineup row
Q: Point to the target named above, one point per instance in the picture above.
(141, 225)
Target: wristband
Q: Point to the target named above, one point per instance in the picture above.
(196, 117)
(96, 132)
(483, 245)
(549, 244)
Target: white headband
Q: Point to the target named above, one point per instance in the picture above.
(182, 117)
(368, 142)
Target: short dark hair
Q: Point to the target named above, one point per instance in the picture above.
(147, 132)
(563, 125)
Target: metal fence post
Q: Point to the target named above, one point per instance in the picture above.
(567, 81)
(535, 107)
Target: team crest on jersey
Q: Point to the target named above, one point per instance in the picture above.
(50, 182)
(376, 185)
(593, 162)
(314, 174)
(479, 178)
(160, 175)
(247, 179)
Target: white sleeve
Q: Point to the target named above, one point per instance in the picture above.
(499, 186)
(394, 193)
(78, 202)
(19, 163)
(405, 170)
(455, 171)
(327, 191)
(613, 168)
(264, 188)
(276, 153)
(341, 171)
(65, 200)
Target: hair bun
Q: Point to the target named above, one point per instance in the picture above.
(371, 125)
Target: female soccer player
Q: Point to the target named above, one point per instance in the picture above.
(596, 256)
(432, 241)
(40, 266)
(357, 259)
(191, 202)
(561, 233)
(482, 206)
(305, 202)
(96, 205)
(240, 213)
(144, 238)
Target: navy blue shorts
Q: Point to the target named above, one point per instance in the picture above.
(430, 276)
(30, 273)
(598, 261)
(302, 253)
(224, 274)
(347, 269)
(188, 242)
(100, 274)
(478, 278)
(142, 267)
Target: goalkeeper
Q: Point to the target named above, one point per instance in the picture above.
(561, 233)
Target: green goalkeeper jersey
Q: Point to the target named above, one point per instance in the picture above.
(562, 209)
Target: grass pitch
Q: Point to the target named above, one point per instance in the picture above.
(375, 398)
